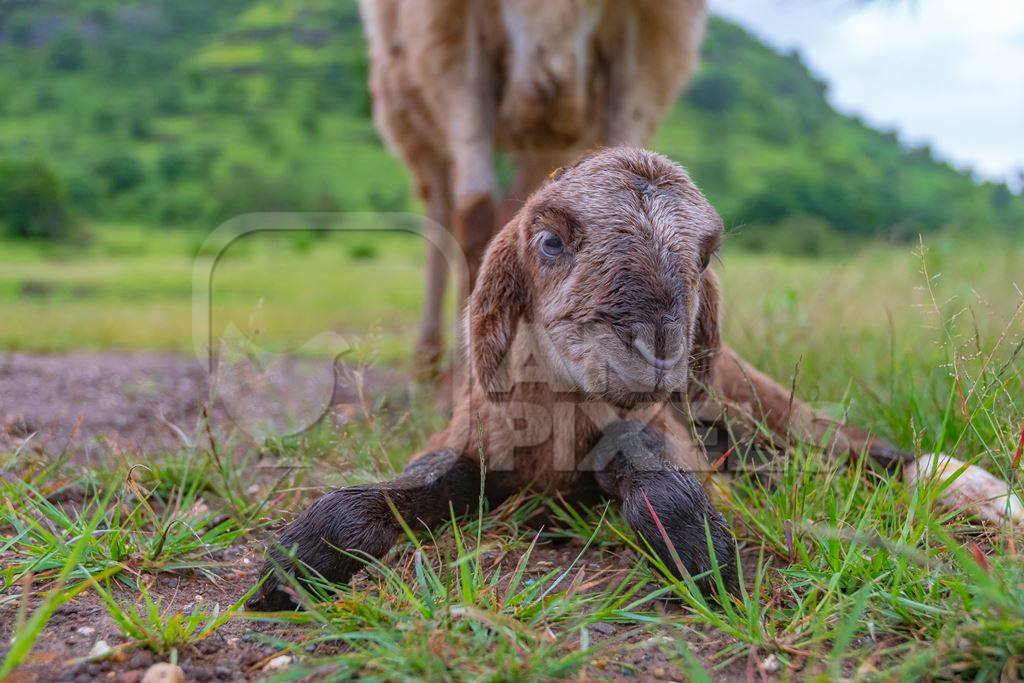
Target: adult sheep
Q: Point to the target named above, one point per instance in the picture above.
(454, 81)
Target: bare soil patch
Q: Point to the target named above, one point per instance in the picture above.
(84, 403)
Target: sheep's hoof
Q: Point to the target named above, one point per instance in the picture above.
(975, 490)
(327, 539)
(270, 597)
(429, 351)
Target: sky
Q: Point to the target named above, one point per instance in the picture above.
(949, 73)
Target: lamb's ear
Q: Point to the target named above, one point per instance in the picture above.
(707, 340)
(499, 299)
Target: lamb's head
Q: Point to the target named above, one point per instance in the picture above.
(605, 271)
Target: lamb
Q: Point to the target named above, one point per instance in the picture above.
(454, 81)
(593, 340)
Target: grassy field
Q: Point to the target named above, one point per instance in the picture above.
(131, 128)
(849, 574)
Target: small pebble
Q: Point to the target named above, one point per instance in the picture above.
(141, 660)
(85, 630)
(133, 676)
(657, 641)
(196, 673)
(249, 657)
(279, 662)
(99, 649)
(164, 672)
(770, 664)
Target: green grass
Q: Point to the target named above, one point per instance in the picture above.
(864, 316)
(133, 290)
(849, 572)
(134, 530)
(498, 620)
(146, 624)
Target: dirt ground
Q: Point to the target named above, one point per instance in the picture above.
(240, 651)
(83, 404)
(123, 397)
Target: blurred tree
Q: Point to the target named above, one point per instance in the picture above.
(139, 125)
(122, 172)
(102, 90)
(715, 90)
(67, 53)
(173, 164)
(170, 98)
(104, 120)
(32, 201)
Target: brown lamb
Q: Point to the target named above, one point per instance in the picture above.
(593, 342)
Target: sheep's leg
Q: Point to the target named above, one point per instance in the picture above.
(531, 170)
(475, 216)
(630, 464)
(470, 126)
(402, 122)
(648, 62)
(745, 395)
(432, 177)
(359, 520)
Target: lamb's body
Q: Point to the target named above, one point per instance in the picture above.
(593, 331)
(557, 432)
(453, 81)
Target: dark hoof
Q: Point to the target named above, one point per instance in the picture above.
(677, 503)
(271, 597)
(355, 519)
(666, 506)
(886, 455)
(429, 353)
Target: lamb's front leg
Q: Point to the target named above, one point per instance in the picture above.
(359, 520)
(630, 464)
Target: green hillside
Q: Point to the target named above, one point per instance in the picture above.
(184, 112)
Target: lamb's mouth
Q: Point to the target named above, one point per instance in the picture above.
(626, 369)
(623, 368)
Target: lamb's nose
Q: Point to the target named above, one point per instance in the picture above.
(658, 362)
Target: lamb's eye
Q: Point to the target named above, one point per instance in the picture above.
(551, 245)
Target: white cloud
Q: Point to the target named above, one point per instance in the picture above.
(946, 72)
